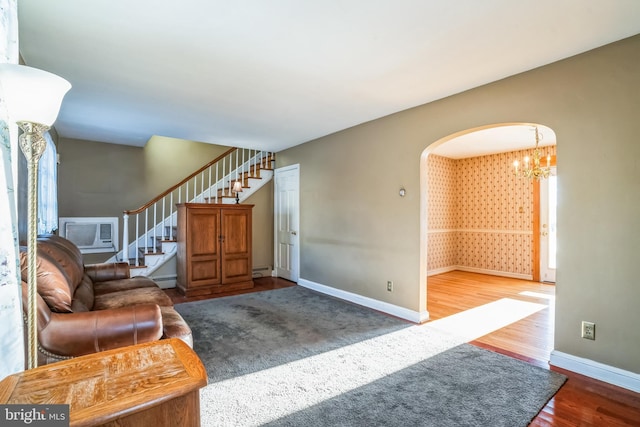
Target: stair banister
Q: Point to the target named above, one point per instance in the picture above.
(178, 186)
(248, 167)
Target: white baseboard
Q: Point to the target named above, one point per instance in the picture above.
(479, 270)
(597, 370)
(442, 270)
(165, 282)
(494, 272)
(385, 307)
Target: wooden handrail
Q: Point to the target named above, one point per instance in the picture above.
(169, 190)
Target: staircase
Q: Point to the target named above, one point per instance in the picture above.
(149, 232)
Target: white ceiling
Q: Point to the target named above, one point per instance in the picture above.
(500, 139)
(274, 74)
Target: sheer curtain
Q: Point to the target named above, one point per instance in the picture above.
(11, 335)
(48, 188)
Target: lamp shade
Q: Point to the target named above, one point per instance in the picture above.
(237, 187)
(30, 94)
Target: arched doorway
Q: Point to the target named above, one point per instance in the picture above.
(495, 216)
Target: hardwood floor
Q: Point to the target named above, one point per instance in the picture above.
(531, 337)
(582, 401)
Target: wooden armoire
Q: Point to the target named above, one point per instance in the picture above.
(214, 248)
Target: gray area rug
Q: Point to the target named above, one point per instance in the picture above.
(294, 357)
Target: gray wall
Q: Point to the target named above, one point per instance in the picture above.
(356, 232)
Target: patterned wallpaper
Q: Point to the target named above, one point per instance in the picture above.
(480, 215)
(442, 199)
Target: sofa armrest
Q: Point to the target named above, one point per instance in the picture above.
(75, 334)
(107, 271)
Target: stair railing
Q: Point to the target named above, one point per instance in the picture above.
(209, 184)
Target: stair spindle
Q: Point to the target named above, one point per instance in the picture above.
(171, 216)
(146, 233)
(137, 258)
(125, 238)
(155, 229)
(230, 177)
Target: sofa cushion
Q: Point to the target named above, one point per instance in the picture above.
(62, 242)
(132, 297)
(53, 284)
(109, 286)
(84, 296)
(68, 258)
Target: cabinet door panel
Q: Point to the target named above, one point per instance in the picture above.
(236, 269)
(203, 235)
(236, 245)
(205, 271)
(235, 228)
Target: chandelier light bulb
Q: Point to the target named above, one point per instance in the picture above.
(535, 170)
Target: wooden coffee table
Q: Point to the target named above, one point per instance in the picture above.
(152, 384)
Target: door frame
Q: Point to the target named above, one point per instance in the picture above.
(291, 168)
(536, 225)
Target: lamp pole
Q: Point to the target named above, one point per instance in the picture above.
(32, 144)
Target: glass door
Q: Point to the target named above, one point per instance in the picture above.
(548, 224)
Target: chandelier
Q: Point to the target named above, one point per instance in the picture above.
(532, 168)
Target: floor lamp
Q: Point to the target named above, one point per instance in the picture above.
(32, 98)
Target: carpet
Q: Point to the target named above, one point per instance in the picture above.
(294, 357)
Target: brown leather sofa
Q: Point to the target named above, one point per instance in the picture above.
(86, 309)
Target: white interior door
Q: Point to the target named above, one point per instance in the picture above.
(548, 198)
(287, 222)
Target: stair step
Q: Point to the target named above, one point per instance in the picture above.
(132, 263)
(161, 239)
(150, 251)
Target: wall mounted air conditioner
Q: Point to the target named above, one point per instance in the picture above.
(91, 234)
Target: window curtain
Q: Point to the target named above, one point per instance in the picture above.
(11, 330)
(48, 188)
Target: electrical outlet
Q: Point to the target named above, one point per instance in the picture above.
(389, 286)
(588, 330)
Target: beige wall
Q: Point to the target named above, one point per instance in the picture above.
(357, 233)
(100, 179)
(170, 160)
